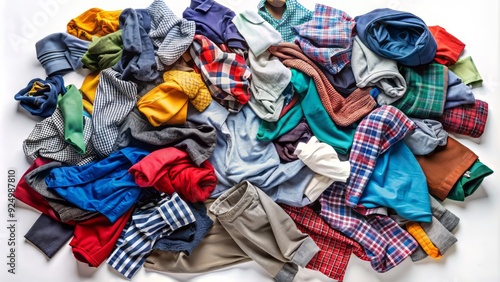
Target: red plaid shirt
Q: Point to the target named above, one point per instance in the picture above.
(226, 74)
(335, 248)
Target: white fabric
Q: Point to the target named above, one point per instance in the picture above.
(322, 159)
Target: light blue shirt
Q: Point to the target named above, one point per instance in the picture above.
(239, 156)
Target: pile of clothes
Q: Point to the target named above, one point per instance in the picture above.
(203, 141)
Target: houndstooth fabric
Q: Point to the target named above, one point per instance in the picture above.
(114, 99)
(47, 140)
(170, 34)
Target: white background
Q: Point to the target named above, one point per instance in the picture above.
(475, 257)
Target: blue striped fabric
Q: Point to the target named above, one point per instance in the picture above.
(148, 224)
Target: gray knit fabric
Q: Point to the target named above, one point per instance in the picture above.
(439, 230)
(65, 210)
(114, 99)
(170, 34)
(198, 140)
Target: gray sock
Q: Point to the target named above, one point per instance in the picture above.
(441, 237)
(447, 218)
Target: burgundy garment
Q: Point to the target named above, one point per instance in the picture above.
(335, 248)
(286, 144)
(27, 195)
(93, 239)
(171, 170)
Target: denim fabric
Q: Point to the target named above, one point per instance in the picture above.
(39, 97)
(186, 239)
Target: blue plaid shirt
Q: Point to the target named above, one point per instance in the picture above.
(327, 38)
(294, 14)
(148, 224)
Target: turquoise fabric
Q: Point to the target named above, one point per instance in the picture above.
(399, 183)
(310, 107)
(294, 14)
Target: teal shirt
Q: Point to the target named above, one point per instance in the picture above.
(294, 14)
(310, 107)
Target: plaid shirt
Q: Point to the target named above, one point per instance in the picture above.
(294, 14)
(225, 74)
(426, 88)
(384, 241)
(335, 248)
(467, 119)
(382, 128)
(327, 38)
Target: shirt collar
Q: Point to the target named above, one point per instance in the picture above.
(290, 8)
(202, 5)
(261, 4)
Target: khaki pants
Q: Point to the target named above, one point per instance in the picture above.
(264, 231)
(216, 250)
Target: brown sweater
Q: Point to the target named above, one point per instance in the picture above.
(343, 111)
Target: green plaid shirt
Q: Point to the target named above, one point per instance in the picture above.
(425, 92)
(295, 14)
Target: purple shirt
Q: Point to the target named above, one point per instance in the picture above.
(214, 21)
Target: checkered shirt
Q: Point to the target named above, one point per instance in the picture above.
(379, 130)
(385, 242)
(466, 119)
(170, 34)
(47, 140)
(114, 99)
(335, 248)
(327, 38)
(426, 88)
(148, 224)
(295, 14)
(226, 74)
